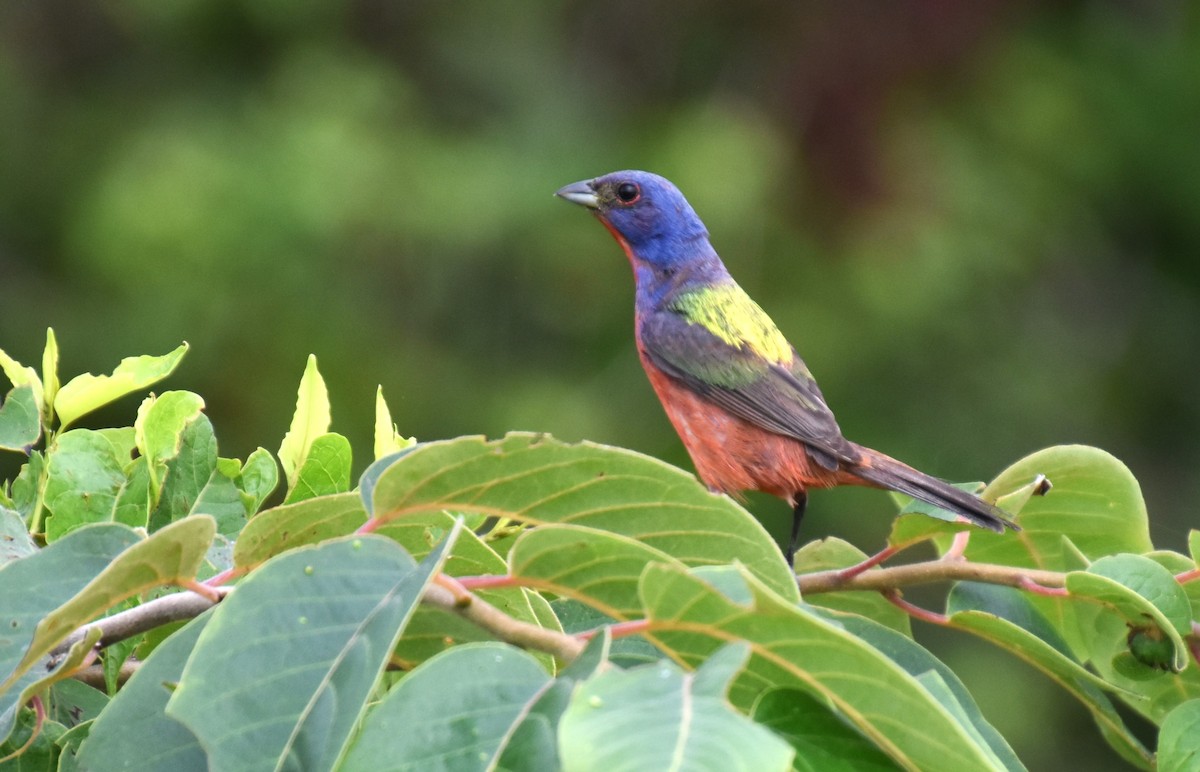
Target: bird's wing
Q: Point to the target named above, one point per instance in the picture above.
(767, 385)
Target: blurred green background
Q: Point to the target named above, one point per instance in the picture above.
(979, 222)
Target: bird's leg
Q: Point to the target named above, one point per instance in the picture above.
(799, 501)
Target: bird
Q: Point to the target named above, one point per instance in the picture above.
(745, 405)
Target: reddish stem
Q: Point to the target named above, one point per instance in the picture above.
(1188, 576)
(203, 590)
(488, 581)
(916, 612)
(1025, 583)
(39, 712)
(619, 629)
(228, 574)
(846, 574)
(369, 526)
(958, 547)
(462, 596)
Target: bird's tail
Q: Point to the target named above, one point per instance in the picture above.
(887, 472)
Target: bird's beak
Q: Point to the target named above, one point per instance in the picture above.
(580, 193)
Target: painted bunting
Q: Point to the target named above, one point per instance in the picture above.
(743, 402)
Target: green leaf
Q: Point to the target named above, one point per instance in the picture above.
(84, 393)
(454, 711)
(1095, 504)
(168, 557)
(1005, 616)
(49, 376)
(135, 727)
(537, 479)
(195, 483)
(823, 742)
(48, 578)
(159, 428)
(284, 669)
(937, 679)
(310, 421)
(1145, 594)
(15, 541)
(388, 439)
(626, 651)
(286, 527)
(258, 478)
(599, 568)
(666, 719)
(1194, 545)
(20, 420)
(86, 478)
(326, 469)
(831, 554)
(794, 647)
(73, 702)
(432, 629)
(1179, 739)
(21, 376)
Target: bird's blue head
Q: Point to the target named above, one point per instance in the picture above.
(650, 218)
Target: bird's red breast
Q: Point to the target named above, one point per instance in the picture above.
(732, 454)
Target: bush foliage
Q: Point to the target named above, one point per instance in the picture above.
(524, 603)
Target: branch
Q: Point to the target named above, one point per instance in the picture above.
(926, 573)
(483, 614)
(126, 624)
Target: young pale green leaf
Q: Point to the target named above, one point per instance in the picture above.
(15, 541)
(170, 556)
(48, 578)
(286, 665)
(87, 478)
(600, 568)
(666, 719)
(823, 742)
(454, 711)
(1005, 617)
(159, 427)
(832, 553)
(1179, 739)
(537, 479)
(50, 382)
(1145, 595)
(310, 421)
(19, 376)
(1194, 545)
(135, 728)
(286, 527)
(388, 439)
(20, 420)
(84, 393)
(795, 647)
(325, 471)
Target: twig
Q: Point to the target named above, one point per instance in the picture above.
(504, 627)
(914, 611)
(926, 573)
(94, 676)
(149, 615)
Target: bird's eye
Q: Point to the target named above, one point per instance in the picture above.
(628, 192)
